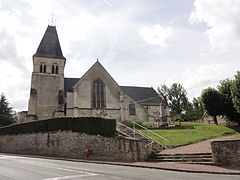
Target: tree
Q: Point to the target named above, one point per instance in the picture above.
(229, 110)
(235, 91)
(198, 106)
(163, 92)
(7, 115)
(213, 102)
(175, 97)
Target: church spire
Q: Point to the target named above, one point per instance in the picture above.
(50, 45)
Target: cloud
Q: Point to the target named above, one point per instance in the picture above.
(14, 85)
(204, 76)
(108, 3)
(156, 35)
(222, 18)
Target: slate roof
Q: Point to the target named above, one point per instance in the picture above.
(69, 83)
(50, 45)
(142, 95)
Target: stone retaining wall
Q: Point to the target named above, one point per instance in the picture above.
(73, 145)
(226, 152)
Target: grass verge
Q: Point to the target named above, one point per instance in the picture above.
(200, 132)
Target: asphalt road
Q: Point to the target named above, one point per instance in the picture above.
(26, 168)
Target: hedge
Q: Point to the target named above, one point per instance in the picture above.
(89, 125)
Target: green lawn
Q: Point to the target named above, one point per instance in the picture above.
(188, 136)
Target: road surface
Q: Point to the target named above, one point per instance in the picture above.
(14, 167)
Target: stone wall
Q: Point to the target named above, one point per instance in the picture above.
(73, 145)
(226, 152)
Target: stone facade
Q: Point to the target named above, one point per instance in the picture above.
(79, 101)
(226, 152)
(73, 145)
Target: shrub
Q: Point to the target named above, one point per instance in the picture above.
(176, 118)
(130, 124)
(89, 125)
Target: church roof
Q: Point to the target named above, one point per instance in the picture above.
(69, 83)
(50, 45)
(142, 95)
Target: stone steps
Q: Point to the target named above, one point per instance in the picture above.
(196, 158)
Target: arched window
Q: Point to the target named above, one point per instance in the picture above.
(98, 94)
(42, 68)
(55, 68)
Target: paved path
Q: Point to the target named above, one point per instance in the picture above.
(201, 147)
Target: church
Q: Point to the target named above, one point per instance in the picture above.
(96, 93)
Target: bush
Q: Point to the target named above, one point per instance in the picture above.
(176, 118)
(131, 124)
(89, 125)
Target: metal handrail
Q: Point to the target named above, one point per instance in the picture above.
(124, 133)
(151, 131)
(121, 124)
(149, 138)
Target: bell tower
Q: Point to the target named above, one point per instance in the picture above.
(47, 83)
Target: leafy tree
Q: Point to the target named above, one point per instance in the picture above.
(194, 110)
(229, 110)
(175, 97)
(235, 91)
(163, 91)
(178, 98)
(7, 115)
(198, 106)
(213, 102)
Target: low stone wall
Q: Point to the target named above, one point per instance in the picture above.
(73, 145)
(226, 152)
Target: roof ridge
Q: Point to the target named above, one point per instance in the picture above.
(137, 87)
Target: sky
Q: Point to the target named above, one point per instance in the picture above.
(140, 42)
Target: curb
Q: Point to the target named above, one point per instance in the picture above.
(129, 165)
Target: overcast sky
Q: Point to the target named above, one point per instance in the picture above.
(139, 42)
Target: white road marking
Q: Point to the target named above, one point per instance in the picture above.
(10, 157)
(67, 177)
(83, 173)
(60, 168)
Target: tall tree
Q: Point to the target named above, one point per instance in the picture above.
(175, 97)
(198, 106)
(213, 102)
(235, 91)
(7, 115)
(229, 110)
(163, 92)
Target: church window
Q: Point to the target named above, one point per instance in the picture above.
(98, 94)
(54, 68)
(42, 68)
(132, 109)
